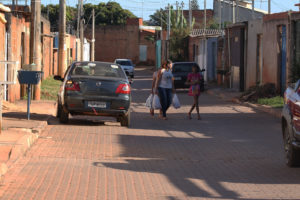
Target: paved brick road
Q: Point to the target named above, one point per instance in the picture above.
(233, 153)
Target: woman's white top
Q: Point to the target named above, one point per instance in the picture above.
(166, 79)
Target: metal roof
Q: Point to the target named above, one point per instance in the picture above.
(206, 33)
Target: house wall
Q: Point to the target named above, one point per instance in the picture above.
(15, 27)
(122, 41)
(2, 48)
(47, 49)
(242, 13)
(198, 15)
(151, 56)
(254, 29)
(271, 50)
(211, 65)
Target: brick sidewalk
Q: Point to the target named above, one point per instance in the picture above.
(233, 153)
(18, 133)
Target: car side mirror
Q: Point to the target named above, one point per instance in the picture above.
(58, 78)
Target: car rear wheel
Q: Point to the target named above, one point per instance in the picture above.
(64, 116)
(125, 119)
(292, 155)
(58, 110)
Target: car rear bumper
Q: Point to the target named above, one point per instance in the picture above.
(98, 112)
(115, 106)
(296, 144)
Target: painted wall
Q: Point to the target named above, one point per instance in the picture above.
(211, 65)
(254, 29)
(271, 49)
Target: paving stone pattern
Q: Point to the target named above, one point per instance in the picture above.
(233, 153)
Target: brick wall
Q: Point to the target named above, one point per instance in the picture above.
(17, 26)
(122, 41)
(198, 15)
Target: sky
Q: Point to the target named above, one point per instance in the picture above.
(144, 8)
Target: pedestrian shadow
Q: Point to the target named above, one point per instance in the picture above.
(192, 166)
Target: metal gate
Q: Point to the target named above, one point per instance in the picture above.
(283, 61)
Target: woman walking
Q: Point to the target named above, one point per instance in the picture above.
(193, 80)
(165, 86)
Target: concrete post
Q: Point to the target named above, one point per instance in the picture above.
(62, 62)
(35, 41)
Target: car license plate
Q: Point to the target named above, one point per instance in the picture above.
(177, 78)
(96, 104)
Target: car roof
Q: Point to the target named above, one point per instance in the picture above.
(96, 62)
(123, 59)
(184, 63)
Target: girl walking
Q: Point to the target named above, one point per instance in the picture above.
(193, 80)
(165, 87)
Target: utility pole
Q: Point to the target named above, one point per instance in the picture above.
(93, 37)
(233, 11)
(35, 41)
(205, 14)
(78, 18)
(168, 31)
(269, 6)
(81, 31)
(62, 62)
(182, 7)
(190, 14)
(237, 11)
(220, 14)
(252, 9)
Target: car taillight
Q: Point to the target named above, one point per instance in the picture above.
(123, 89)
(72, 86)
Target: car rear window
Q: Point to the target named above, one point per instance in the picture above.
(98, 69)
(183, 67)
(124, 62)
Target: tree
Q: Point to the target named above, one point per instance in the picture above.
(110, 13)
(160, 17)
(180, 31)
(194, 5)
(52, 13)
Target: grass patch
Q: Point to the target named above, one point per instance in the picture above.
(50, 88)
(275, 102)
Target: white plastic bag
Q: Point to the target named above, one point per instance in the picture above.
(175, 102)
(149, 101)
(156, 102)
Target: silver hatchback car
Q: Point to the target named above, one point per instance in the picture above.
(127, 66)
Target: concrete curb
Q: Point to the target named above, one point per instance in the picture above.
(21, 146)
(263, 108)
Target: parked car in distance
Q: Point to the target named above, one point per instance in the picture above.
(290, 122)
(127, 66)
(94, 88)
(180, 72)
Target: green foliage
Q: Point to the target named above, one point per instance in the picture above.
(194, 5)
(49, 89)
(275, 102)
(110, 13)
(52, 13)
(180, 30)
(160, 17)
